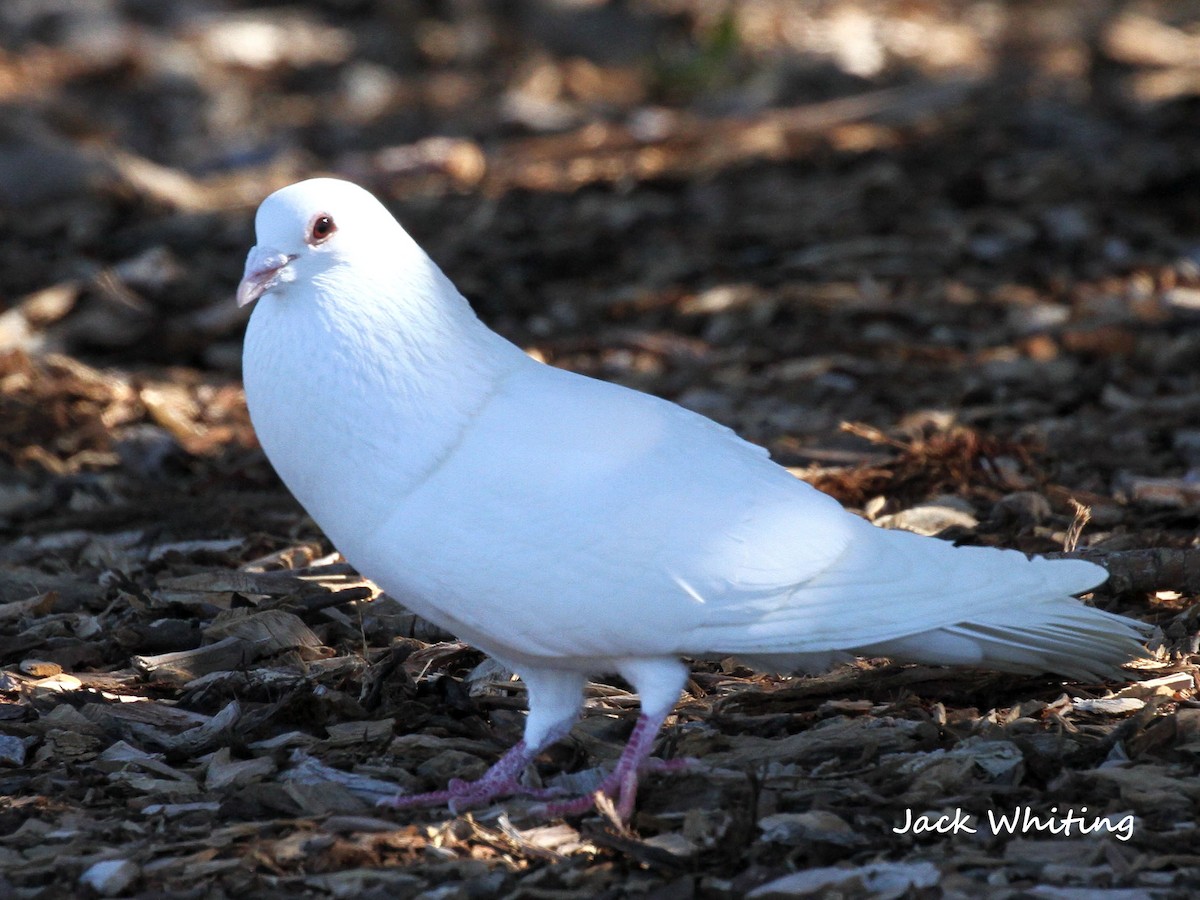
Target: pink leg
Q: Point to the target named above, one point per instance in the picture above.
(501, 780)
(554, 700)
(622, 783)
(658, 681)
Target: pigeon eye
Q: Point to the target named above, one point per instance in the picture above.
(321, 228)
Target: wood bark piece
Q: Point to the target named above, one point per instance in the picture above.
(322, 788)
(1176, 493)
(165, 717)
(269, 631)
(242, 638)
(110, 877)
(353, 734)
(123, 761)
(834, 739)
(207, 735)
(16, 609)
(1145, 571)
(186, 665)
(890, 879)
(224, 772)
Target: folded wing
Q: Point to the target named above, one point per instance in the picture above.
(578, 519)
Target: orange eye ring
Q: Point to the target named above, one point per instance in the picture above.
(321, 229)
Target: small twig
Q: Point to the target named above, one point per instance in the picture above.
(872, 434)
(1083, 515)
(607, 808)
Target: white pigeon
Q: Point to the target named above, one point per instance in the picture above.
(568, 526)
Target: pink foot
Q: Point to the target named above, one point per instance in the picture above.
(622, 783)
(501, 780)
(462, 795)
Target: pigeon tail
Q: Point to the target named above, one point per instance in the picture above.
(1024, 621)
(1062, 636)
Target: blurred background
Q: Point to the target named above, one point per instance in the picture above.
(786, 215)
(782, 214)
(941, 257)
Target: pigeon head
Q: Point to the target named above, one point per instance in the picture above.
(306, 228)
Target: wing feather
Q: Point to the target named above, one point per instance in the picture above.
(577, 519)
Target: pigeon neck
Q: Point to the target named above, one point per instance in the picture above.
(357, 401)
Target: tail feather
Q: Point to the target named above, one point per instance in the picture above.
(919, 600)
(1061, 636)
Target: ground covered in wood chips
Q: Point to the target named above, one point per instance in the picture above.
(941, 257)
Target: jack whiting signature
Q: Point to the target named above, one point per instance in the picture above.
(1020, 820)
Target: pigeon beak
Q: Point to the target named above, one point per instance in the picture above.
(262, 273)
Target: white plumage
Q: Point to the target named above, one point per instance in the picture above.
(569, 526)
